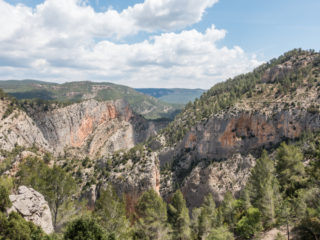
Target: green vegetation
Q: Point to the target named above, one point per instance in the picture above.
(64, 94)
(110, 212)
(54, 183)
(223, 96)
(14, 227)
(84, 229)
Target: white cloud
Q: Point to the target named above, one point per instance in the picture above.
(58, 41)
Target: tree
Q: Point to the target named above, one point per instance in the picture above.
(250, 223)
(229, 211)
(208, 217)
(16, 227)
(54, 183)
(220, 233)
(178, 217)
(110, 212)
(263, 187)
(60, 186)
(151, 213)
(4, 199)
(84, 229)
(290, 168)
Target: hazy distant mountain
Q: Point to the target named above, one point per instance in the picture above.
(173, 95)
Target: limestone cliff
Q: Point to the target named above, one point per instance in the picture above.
(90, 128)
(33, 207)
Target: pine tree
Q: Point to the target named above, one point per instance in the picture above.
(262, 187)
(151, 213)
(229, 211)
(290, 168)
(178, 217)
(208, 217)
(110, 212)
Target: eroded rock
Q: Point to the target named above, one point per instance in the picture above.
(33, 207)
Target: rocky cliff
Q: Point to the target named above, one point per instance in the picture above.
(33, 207)
(90, 128)
(217, 151)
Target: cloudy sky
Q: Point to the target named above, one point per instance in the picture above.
(150, 43)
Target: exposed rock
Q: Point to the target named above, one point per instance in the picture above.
(33, 207)
(90, 128)
(217, 178)
(19, 129)
(226, 139)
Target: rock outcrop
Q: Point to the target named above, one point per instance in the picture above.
(33, 207)
(90, 128)
(215, 155)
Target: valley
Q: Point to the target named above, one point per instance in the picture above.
(240, 160)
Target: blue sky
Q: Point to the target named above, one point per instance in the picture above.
(152, 43)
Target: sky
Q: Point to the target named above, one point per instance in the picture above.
(150, 43)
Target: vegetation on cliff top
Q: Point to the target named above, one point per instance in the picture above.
(304, 69)
(73, 92)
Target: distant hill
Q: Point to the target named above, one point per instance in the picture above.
(173, 95)
(68, 93)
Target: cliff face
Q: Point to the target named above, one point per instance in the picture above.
(215, 156)
(213, 144)
(89, 128)
(19, 129)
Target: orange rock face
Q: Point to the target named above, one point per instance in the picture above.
(247, 126)
(90, 122)
(82, 133)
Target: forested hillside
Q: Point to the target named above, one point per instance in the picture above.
(240, 162)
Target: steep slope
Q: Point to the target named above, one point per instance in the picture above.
(90, 128)
(72, 92)
(212, 145)
(234, 120)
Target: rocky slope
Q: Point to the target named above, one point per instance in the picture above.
(210, 147)
(33, 207)
(213, 144)
(90, 128)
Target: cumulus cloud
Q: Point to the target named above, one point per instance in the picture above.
(66, 40)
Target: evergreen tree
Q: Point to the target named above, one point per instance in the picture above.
(208, 217)
(110, 212)
(229, 211)
(151, 216)
(262, 187)
(220, 233)
(250, 223)
(290, 168)
(4, 199)
(178, 217)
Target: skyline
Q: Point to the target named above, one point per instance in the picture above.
(152, 43)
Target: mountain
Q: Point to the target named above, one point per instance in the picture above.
(244, 157)
(173, 95)
(72, 92)
(229, 125)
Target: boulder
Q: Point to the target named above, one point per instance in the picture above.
(33, 207)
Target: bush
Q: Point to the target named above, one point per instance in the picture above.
(84, 229)
(16, 227)
(4, 199)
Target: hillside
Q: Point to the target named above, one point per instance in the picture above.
(68, 93)
(173, 95)
(243, 158)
